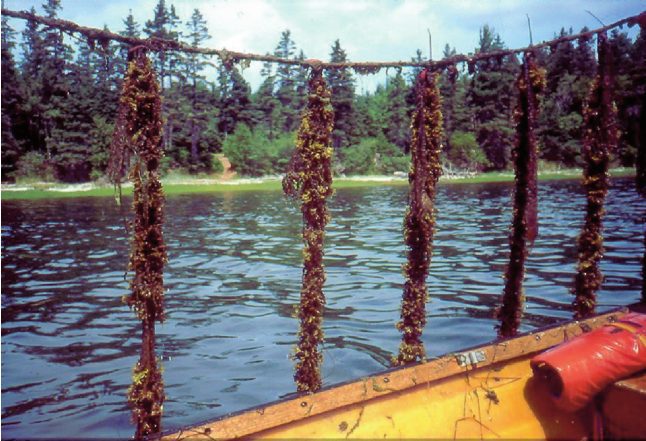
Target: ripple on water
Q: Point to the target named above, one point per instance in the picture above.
(233, 279)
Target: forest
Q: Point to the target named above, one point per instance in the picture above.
(60, 98)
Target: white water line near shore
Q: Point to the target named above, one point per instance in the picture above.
(396, 177)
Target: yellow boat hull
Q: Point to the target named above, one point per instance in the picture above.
(496, 397)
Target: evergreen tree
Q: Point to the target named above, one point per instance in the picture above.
(341, 85)
(131, 29)
(234, 100)
(71, 134)
(301, 80)
(55, 93)
(176, 59)
(621, 48)
(491, 92)
(107, 78)
(266, 105)
(286, 83)
(12, 97)
(33, 57)
(158, 28)
(164, 25)
(415, 71)
(197, 33)
(569, 72)
(398, 110)
(448, 87)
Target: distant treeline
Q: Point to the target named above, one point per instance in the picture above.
(59, 103)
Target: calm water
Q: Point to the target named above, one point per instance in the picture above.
(69, 344)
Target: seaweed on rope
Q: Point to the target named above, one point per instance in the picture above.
(524, 229)
(599, 140)
(310, 178)
(230, 57)
(419, 223)
(138, 134)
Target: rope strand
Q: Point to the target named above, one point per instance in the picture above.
(530, 84)
(599, 139)
(419, 223)
(314, 175)
(231, 57)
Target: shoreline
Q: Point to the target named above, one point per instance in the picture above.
(188, 185)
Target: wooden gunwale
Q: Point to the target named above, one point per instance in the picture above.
(300, 406)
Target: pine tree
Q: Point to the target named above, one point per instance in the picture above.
(341, 85)
(234, 100)
(55, 94)
(448, 87)
(491, 95)
(266, 105)
(131, 29)
(621, 48)
(197, 33)
(301, 79)
(570, 70)
(176, 59)
(33, 57)
(158, 28)
(286, 83)
(12, 97)
(107, 78)
(71, 136)
(398, 110)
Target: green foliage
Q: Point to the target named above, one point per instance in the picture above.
(397, 117)
(373, 156)
(33, 166)
(465, 152)
(101, 137)
(216, 164)
(341, 85)
(52, 94)
(252, 153)
(491, 92)
(13, 127)
(234, 100)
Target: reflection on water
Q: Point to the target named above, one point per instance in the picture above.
(69, 344)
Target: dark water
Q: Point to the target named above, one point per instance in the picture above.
(69, 344)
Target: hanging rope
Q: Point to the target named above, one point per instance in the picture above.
(599, 139)
(524, 229)
(138, 133)
(311, 179)
(231, 57)
(120, 153)
(419, 222)
(641, 169)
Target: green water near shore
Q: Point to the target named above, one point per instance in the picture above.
(197, 186)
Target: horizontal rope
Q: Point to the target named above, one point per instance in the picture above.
(231, 57)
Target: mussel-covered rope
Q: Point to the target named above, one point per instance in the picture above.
(419, 222)
(599, 139)
(138, 134)
(524, 229)
(311, 180)
(641, 170)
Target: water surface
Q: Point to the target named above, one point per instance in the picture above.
(233, 278)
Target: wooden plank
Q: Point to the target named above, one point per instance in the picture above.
(623, 408)
(251, 421)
